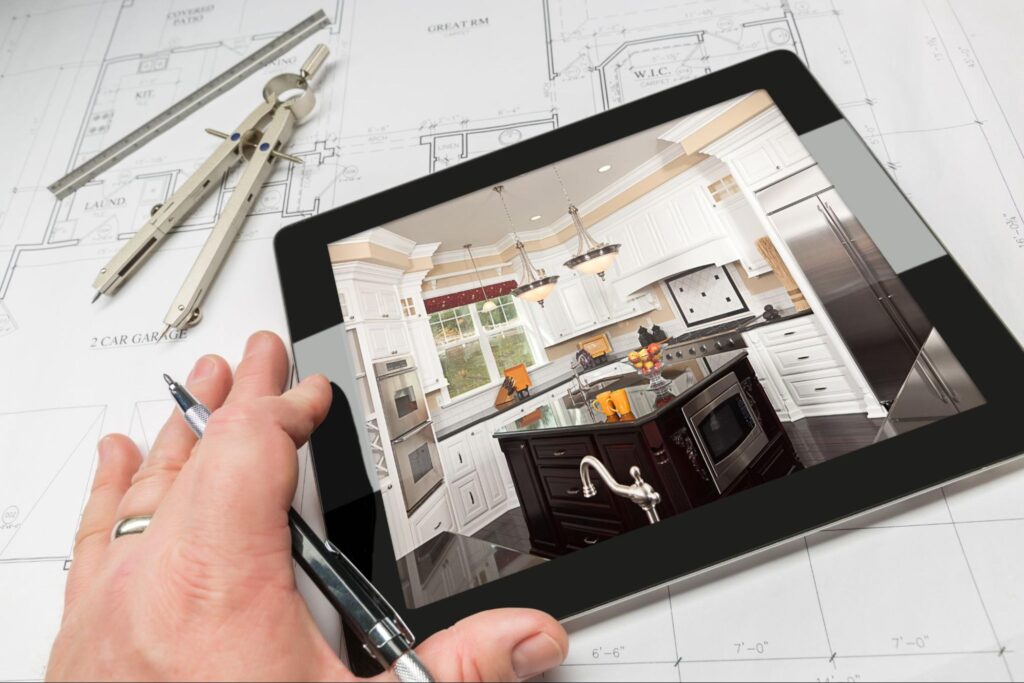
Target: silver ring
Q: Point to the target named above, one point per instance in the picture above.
(130, 525)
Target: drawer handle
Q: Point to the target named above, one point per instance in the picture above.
(558, 454)
(471, 500)
(437, 526)
(802, 357)
(590, 541)
(460, 457)
(572, 492)
(660, 455)
(820, 388)
(788, 334)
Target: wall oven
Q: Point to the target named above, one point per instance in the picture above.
(405, 406)
(419, 467)
(726, 429)
(412, 442)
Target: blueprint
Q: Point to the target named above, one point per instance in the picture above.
(933, 589)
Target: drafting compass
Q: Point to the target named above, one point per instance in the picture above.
(258, 141)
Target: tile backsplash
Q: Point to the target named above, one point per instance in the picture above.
(705, 295)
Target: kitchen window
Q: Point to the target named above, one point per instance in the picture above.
(475, 346)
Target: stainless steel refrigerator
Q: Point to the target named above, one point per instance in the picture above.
(909, 368)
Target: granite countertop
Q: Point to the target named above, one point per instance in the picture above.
(451, 563)
(557, 415)
(493, 411)
(540, 389)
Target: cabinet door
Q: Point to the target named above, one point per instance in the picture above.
(423, 348)
(468, 498)
(398, 339)
(551, 318)
(669, 228)
(787, 148)
(433, 518)
(755, 163)
(456, 456)
(646, 239)
(578, 307)
(486, 455)
(369, 302)
(543, 536)
(377, 340)
(387, 303)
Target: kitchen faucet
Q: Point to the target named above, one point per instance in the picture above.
(641, 493)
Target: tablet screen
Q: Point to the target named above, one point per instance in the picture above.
(631, 333)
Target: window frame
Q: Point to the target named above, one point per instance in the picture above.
(482, 336)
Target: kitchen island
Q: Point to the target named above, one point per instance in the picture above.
(687, 466)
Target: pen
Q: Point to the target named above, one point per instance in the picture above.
(363, 609)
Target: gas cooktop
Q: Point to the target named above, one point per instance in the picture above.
(706, 341)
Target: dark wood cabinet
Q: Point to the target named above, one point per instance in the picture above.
(545, 469)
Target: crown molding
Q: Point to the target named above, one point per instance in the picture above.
(694, 122)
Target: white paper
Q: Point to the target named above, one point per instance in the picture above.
(930, 591)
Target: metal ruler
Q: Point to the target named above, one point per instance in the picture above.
(189, 104)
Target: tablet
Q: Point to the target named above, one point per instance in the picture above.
(575, 365)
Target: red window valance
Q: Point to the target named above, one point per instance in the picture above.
(469, 296)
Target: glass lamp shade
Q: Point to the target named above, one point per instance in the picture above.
(595, 261)
(488, 306)
(537, 290)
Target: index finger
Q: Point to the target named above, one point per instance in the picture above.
(262, 370)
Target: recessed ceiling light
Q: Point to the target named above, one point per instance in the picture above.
(535, 218)
(605, 168)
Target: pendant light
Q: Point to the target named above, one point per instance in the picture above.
(591, 257)
(536, 283)
(489, 304)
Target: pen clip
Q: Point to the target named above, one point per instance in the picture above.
(393, 618)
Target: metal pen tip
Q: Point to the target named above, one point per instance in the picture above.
(170, 382)
(96, 296)
(163, 334)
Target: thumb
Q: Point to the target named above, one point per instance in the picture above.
(498, 645)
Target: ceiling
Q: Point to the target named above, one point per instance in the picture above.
(480, 219)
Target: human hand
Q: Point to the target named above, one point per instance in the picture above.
(208, 590)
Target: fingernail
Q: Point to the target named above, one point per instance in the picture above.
(203, 368)
(535, 655)
(103, 447)
(256, 341)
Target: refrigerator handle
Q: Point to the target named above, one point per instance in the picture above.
(884, 298)
(934, 376)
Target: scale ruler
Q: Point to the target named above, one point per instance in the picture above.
(189, 104)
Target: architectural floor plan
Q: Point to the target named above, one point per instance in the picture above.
(931, 85)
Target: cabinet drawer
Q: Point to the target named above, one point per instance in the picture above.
(437, 517)
(811, 391)
(456, 457)
(811, 355)
(566, 449)
(789, 331)
(468, 497)
(564, 491)
(580, 533)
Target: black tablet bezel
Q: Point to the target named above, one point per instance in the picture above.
(706, 536)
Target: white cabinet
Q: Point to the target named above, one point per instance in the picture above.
(469, 500)
(433, 517)
(580, 308)
(377, 302)
(761, 151)
(457, 456)
(386, 339)
(424, 350)
(800, 371)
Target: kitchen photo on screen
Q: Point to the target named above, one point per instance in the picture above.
(609, 341)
